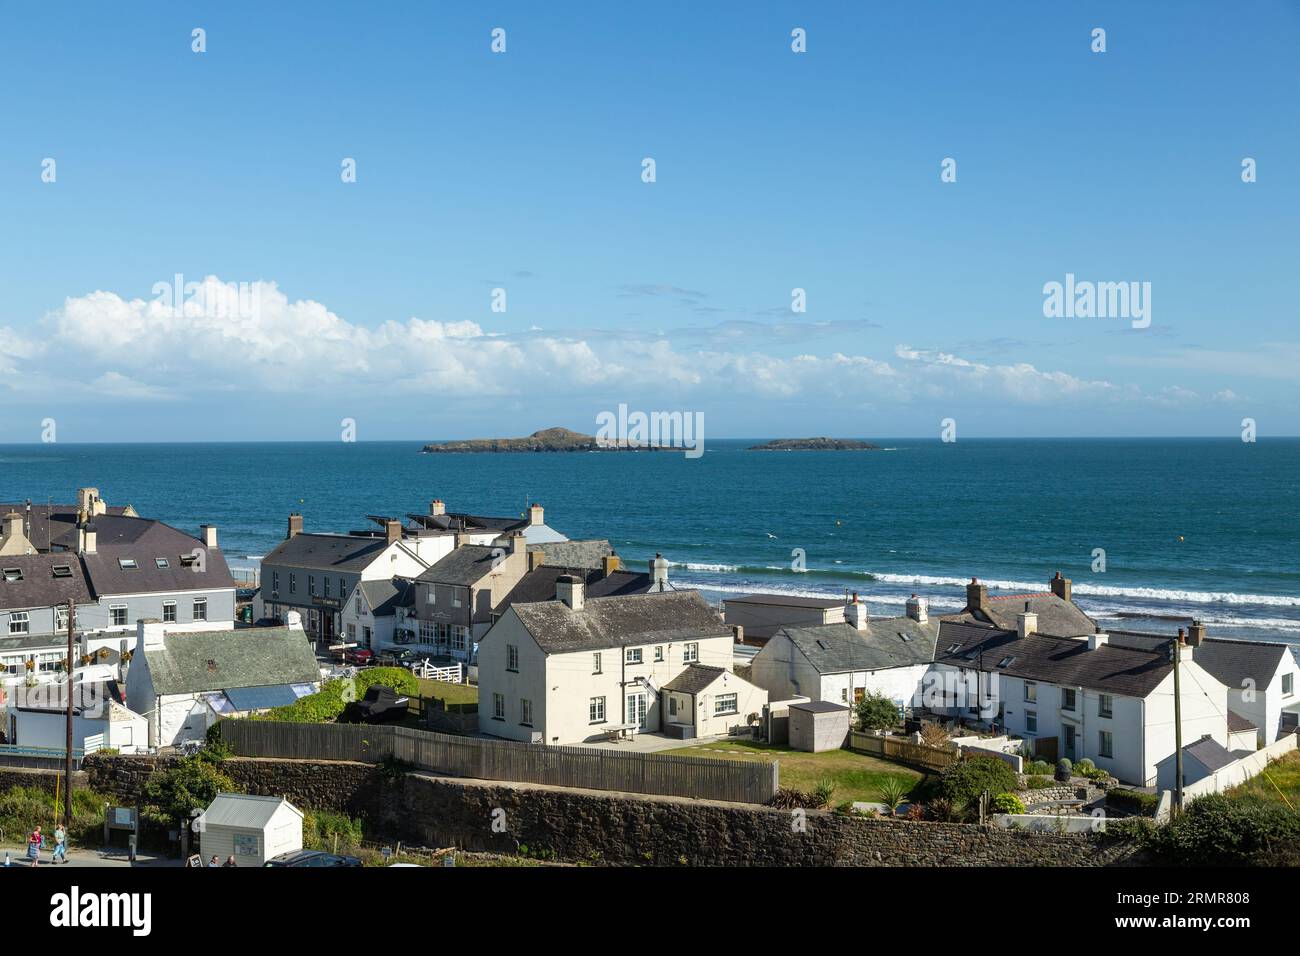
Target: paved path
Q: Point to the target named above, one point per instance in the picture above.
(83, 857)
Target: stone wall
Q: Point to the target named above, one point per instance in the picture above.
(600, 827)
(45, 779)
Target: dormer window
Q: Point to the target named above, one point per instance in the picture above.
(127, 564)
(162, 563)
(13, 574)
(62, 570)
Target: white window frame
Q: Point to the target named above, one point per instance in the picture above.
(498, 706)
(690, 653)
(512, 658)
(1105, 744)
(1031, 691)
(19, 622)
(169, 606)
(112, 614)
(595, 664)
(1105, 705)
(1031, 721)
(632, 655)
(199, 612)
(525, 712)
(596, 710)
(721, 701)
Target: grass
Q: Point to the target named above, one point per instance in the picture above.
(1281, 775)
(459, 698)
(856, 776)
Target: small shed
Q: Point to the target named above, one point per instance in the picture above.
(818, 725)
(252, 829)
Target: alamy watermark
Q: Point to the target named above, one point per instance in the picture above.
(210, 298)
(624, 429)
(1083, 299)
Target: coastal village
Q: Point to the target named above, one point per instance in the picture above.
(495, 651)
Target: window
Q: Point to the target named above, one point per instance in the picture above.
(659, 653)
(352, 632)
(632, 655)
(459, 637)
(672, 706)
(724, 704)
(200, 609)
(1031, 722)
(60, 618)
(512, 657)
(596, 710)
(327, 587)
(13, 574)
(1288, 684)
(118, 615)
(361, 608)
(169, 611)
(18, 622)
(595, 663)
(455, 598)
(498, 706)
(844, 695)
(525, 712)
(293, 584)
(343, 590)
(311, 584)
(128, 564)
(1031, 691)
(428, 632)
(1105, 705)
(432, 596)
(690, 653)
(1067, 699)
(163, 564)
(1105, 744)
(62, 571)
(275, 580)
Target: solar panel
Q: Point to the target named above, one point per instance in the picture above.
(261, 698)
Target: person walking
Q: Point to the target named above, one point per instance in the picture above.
(230, 861)
(34, 842)
(60, 845)
(213, 862)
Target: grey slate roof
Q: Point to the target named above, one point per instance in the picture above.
(461, 521)
(92, 696)
(465, 566)
(539, 585)
(326, 552)
(1056, 616)
(54, 525)
(1238, 723)
(1210, 752)
(785, 600)
(385, 597)
(836, 648)
(818, 707)
(39, 587)
(219, 660)
(661, 616)
(574, 554)
(694, 679)
(146, 540)
(1230, 661)
(1123, 671)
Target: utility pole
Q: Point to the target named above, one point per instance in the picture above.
(1178, 725)
(67, 775)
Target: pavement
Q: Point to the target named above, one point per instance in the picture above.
(113, 856)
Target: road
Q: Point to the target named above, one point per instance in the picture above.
(82, 857)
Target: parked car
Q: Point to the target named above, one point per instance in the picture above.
(357, 656)
(312, 858)
(399, 656)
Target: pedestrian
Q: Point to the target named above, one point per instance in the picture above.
(60, 845)
(230, 861)
(34, 846)
(213, 862)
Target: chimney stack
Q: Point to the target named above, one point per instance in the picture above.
(659, 572)
(856, 614)
(393, 530)
(536, 559)
(738, 633)
(436, 507)
(570, 590)
(209, 536)
(610, 563)
(1182, 637)
(918, 609)
(1061, 587)
(1097, 640)
(1196, 634)
(295, 525)
(1026, 622)
(89, 538)
(149, 633)
(977, 596)
(518, 543)
(535, 513)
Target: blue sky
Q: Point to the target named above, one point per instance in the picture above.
(522, 171)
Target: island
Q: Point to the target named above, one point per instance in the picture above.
(815, 444)
(548, 439)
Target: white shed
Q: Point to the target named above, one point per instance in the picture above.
(252, 829)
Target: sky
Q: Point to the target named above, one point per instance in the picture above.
(376, 301)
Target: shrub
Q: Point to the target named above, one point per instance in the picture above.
(321, 827)
(1039, 768)
(875, 711)
(1219, 830)
(1132, 801)
(1084, 767)
(1039, 783)
(1064, 769)
(1006, 803)
(946, 810)
(823, 792)
(967, 780)
(328, 703)
(22, 808)
(892, 793)
(189, 784)
(933, 734)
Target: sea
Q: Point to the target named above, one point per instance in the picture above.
(1153, 532)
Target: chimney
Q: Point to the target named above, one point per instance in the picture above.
(659, 572)
(89, 538)
(149, 634)
(1182, 637)
(738, 633)
(977, 596)
(1061, 587)
(1196, 634)
(393, 530)
(13, 525)
(856, 614)
(88, 501)
(209, 536)
(295, 525)
(535, 559)
(918, 609)
(1097, 640)
(436, 507)
(570, 590)
(518, 543)
(1026, 622)
(293, 620)
(535, 513)
(610, 563)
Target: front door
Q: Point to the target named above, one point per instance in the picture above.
(636, 710)
(1069, 741)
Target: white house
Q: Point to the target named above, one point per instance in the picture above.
(249, 828)
(1076, 697)
(841, 663)
(564, 671)
(370, 615)
(183, 680)
(38, 718)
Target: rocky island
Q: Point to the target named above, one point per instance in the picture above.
(815, 444)
(548, 439)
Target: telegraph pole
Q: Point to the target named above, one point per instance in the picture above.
(1178, 725)
(67, 775)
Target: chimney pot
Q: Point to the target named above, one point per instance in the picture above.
(659, 572)
(535, 514)
(209, 536)
(856, 615)
(393, 530)
(977, 595)
(570, 590)
(1061, 587)
(918, 609)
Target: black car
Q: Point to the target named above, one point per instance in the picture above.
(311, 858)
(380, 705)
(401, 656)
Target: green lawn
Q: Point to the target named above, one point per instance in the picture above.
(856, 776)
(459, 698)
(1281, 775)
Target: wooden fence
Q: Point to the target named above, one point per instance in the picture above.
(902, 750)
(586, 767)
